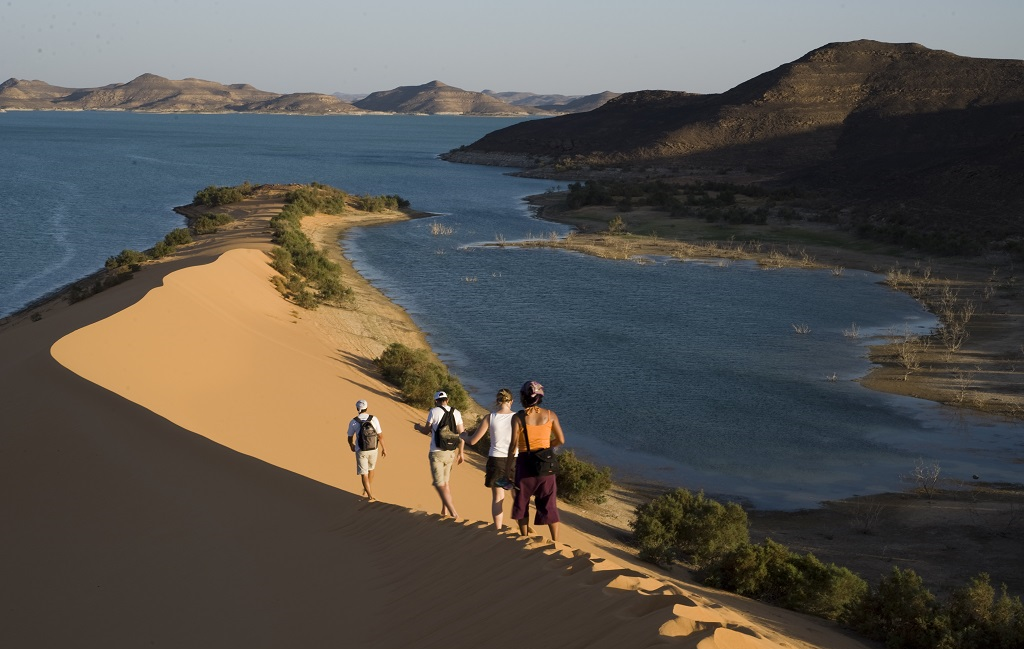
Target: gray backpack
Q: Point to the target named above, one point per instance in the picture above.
(367, 434)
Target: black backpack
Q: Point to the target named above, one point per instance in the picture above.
(367, 434)
(446, 436)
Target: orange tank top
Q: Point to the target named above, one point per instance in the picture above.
(540, 436)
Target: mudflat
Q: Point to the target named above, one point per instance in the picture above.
(947, 532)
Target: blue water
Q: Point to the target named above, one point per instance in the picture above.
(685, 373)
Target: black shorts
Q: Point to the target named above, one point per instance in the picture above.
(494, 471)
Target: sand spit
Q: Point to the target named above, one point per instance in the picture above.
(174, 473)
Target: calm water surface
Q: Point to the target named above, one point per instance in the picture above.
(688, 373)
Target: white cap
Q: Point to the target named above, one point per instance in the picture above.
(440, 395)
(361, 405)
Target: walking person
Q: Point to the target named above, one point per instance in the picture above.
(534, 431)
(366, 440)
(499, 424)
(444, 425)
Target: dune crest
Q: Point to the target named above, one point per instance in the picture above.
(153, 532)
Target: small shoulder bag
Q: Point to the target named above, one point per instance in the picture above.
(541, 462)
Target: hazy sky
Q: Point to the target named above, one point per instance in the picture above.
(571, 47)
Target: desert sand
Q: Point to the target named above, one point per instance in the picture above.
(175, 473)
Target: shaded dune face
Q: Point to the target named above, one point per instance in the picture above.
(175, 473)
(240, 521)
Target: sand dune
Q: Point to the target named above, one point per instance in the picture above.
(174, 473)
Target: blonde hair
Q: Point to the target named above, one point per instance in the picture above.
(504, 396)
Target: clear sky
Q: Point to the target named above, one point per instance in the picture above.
(571, 47)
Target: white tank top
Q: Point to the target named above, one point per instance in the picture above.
(501, 433)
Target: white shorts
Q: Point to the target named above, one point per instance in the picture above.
(366, 461)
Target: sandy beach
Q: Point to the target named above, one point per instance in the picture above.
(175, 473)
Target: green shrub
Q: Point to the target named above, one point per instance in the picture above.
(306, 299)
(210, 223)
(127, 258)
(771, 573)
(315, 197)
(684, 526)
(281, 260)
(418, 376)
(178, 237)
(581, 482)
(214, 196)
(332, 291)
(381, 203)
(161, 250)
(980, 620)
(901, 612)
(298, 256)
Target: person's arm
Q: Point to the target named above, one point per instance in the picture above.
(351, 438)
(517, 428)
(460, 456)
(426, 428)
(556, 430)
(480, 431)
(380, 438)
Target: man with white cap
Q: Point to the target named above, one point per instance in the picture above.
(365, 439)
(444, 426)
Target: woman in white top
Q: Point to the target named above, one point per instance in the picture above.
(499, 423)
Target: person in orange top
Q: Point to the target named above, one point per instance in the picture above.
(542, 430)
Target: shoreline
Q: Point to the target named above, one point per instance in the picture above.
(868, 534)
(981, 376)
(198, 367)
(602, 529)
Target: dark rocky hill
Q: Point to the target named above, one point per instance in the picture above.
(437, 98)
(153, 93)
(918, 138)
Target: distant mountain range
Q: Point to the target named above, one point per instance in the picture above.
(152, 93)
(907, 133)
(555, 103)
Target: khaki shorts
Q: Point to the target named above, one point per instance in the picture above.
(366, 461)
(441, 466)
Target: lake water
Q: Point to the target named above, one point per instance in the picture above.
(685, 373)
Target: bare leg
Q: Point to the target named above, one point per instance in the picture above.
(498, 506)
(554, 531)
(446, 500)
(367, 479)
(524, 527)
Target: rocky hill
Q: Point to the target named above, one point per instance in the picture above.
(555, 103)
(436, 98)
(921, 138)
(152, 93)
(581, 104)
